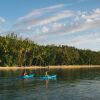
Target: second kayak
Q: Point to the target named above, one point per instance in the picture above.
(48, 77)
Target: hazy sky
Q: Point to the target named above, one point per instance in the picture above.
(60, 22)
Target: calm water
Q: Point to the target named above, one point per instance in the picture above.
(75, 84)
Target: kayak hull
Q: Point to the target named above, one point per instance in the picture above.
(27, 76)
(49, 77)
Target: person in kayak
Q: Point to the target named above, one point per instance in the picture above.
(46, 73)
(25, 73)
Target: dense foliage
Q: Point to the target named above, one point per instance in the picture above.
(15, 51)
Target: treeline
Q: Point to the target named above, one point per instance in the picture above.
(15, 51)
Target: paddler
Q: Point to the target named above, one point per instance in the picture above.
(46, 73)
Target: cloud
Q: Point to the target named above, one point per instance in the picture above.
(43, 24)
(83, 26)
(39, 12)
(30, 23)
(2, 20)
(32, 20)
(43, 16)
(85, 21)
(45, 29)
(62, 29)
(93, 16)
(85, 39)
(51, 19)
(81, 22)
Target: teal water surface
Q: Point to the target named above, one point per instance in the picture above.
(71, 84)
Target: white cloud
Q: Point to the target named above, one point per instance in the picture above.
(43, 21)
(2, 28)
(83, 26)
(51, 29)
(39, 12)
(85, 39)
(50, 25)
(97, 10)
(43, 16)
(55, 18)
(82, 20)
(45, 29)
(93, 16)
(2, 20)
(61, 29)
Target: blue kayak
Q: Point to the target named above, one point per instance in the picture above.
(49, 77)
(27, 76)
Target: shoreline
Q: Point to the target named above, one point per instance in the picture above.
(51, 67)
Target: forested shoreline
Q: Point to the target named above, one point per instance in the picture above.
(15, 51)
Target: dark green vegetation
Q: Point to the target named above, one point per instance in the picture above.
(15, 51)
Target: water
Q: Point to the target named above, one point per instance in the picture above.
(71, 84)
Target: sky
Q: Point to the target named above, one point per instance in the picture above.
(60, 22)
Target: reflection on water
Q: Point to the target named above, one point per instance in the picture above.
(71, 84)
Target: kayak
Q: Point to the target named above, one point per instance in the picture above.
(27, 76)
(53, 77)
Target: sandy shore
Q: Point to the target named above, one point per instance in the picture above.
(75, 66)
(21, 68)
(51, 67)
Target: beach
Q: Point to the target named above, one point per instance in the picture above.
(50, 67)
